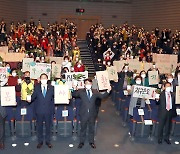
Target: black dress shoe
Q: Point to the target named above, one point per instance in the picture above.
(39, 146)
(160, 141)
(167, 141)
(80, 145)
(92, 145)
(49, 145)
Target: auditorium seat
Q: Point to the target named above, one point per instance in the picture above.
(23, 123)
(64, 124)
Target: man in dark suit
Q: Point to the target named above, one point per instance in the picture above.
(2, 124)
(44, 108)
(88, 110)
(167, 110)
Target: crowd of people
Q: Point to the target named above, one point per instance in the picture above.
(125, 42)
(106, 46)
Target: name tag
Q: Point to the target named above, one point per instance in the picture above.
(148, 122)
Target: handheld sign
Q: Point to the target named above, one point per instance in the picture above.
(8, 96)
(177, 94)
(144, 92)
(153, 77)
(103, 80)
(61, 94)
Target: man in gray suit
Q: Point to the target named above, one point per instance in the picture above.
(88, 110)
(2, 124)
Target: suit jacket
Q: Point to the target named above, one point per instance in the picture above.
(88, 107)
(43, 105)
(162, 105)
(2, 109)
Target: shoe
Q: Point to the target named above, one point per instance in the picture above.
(160, 141)
(92, 145)
(39, 146)
(2, 146)
(167, 141)
(49, 145)
(80, 145)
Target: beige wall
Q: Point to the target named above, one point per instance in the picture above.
(56, 8)
(13, 10)
(152, 13)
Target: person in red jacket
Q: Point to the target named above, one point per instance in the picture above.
(13, 80)
(79, 67)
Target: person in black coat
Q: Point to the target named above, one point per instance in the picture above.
(88, 110)
(43, 96)
(167, 110)
(2, 124)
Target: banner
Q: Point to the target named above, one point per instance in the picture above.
(119, 65)
(61, 94)
(76, 78)
(12, 57)
(58, 60)
(153, 77)
(112, 73)
(3, 73)
(26, 64)
(38, 68)
(4, 49)
(177, 94)
(144, 92)
(8, 96)
(103, 80)
(56, 70)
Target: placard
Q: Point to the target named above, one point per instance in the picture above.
(112, 73)
(144, 92)
(3, 73)
(76, 78)
(58, 60)
(103, 80)
(38, 68)
(178, 112)
(153, 77)
(26, 64)
(56, 70)
(8, 96)
(177, 94)
(61, 94)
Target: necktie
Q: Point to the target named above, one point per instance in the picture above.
(168, 105)
(88, 94)
(44, 91)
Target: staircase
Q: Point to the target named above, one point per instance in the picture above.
(86, 57)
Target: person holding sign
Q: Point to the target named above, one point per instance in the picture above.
(43, 96)
(167, 110)
(27, 87)
(134, 101)
(88, 110)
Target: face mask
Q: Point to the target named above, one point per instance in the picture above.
(88, 86)
(14, 74)
(125, 71)
(154, 66)
(170, 80)
(138, 81)
(109, 64)
(168, 89)
(43, 81)
(66, 60)
(143, 75)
